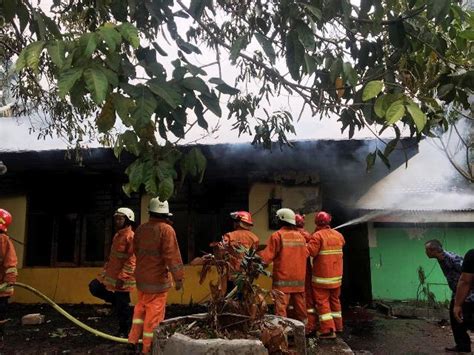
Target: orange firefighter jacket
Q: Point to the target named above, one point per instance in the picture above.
(325, 246)
(157, 252)
(286, 248)
(121, 264)
(8, 271)
(240, 237)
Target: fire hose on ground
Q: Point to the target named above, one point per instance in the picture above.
(69, 316)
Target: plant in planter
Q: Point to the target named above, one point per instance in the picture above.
(242, 312)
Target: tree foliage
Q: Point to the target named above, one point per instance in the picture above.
(388, 64)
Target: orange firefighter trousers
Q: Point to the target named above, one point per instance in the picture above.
(148, 313)
(329, 309)
(297, 300)
(312, 324)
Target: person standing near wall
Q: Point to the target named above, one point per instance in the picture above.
(158, 256)
(463, 311)
(241, 236)
(325, 246)
(312, 324)
(286, 248)
(8, 270)
(117, 280)
(451, 265)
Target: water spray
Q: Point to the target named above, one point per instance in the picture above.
(365, 218)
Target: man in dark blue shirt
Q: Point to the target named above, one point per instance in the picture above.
(451, 265)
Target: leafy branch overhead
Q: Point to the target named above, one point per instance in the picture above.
(132, 67)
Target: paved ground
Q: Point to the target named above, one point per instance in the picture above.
(371, 332)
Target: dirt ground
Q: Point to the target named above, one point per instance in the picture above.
(370, 332)
(59, 336)
(367, 332)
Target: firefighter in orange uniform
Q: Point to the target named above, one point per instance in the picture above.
(241, 236)
(117, 280)
(310, 307)
(325, 246)
(286, 248)
(158, 255)
(8, 271)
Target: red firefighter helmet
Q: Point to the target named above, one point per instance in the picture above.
(299, 218)
(322, 218)
(5, 219)
(242, 216)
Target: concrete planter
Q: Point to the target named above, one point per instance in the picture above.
(184, 345)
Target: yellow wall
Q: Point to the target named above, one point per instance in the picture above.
(70, 285)
(16, 205)
(294, 197)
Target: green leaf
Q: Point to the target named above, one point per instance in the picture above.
(445, 90)
(97, 84)
(89, 42)
(379, 106)
(315, 11)
(383, 158)
(106, 119)
(239, 44)
(151, 184)
(194, 163)
(135, 174)
(395, 112)
(336, 69)
(372, 89)
(67, 79)
(57, 52)
(145, 107)
(418, 116)
(165, 189)
(467, 34)
(370, 159)
(294, 54)
(199, 111)
(8, 7)
(195, 83)
(350, 74)
(396, 34)
(211, 101)
(390, 146)
(267, 46)
(130, 34)
(197, 7)
(124, 106)
(306, 36)
(438, 9)
(194, 70)
(310, 63)
(166, 92)
(130, 141)
(227, 89)
(111, 36)
(187, 47)
(32, 55)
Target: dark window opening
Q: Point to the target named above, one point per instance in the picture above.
(70, 219)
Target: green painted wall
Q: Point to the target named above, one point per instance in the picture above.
(396, 254)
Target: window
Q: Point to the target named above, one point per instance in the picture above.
(70, 219)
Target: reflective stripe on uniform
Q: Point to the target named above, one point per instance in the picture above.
(288, 283)
(147, 252)
(147, 335)
(119, 255)
(311, 311)
(153, 288)
(291, 307)
(128, 268)
(325, 317)
(137, 321)
(326, 280)
(330, 252)
(176, 267)
(336, 314)
(293, 243)
(11, 270)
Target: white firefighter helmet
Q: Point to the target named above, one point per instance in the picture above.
(286, 215)
(156, 206)
(127, 212)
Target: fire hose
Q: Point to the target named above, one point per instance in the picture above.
(69, 316)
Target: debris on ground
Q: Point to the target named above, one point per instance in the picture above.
(32, 319)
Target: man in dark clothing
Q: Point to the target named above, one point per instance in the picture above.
(451, 265)
(464, 311)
